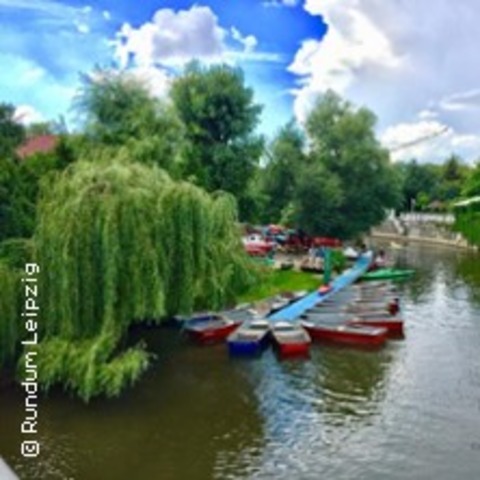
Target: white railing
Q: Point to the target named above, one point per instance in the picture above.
(417, 217)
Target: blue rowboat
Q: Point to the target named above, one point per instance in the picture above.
(250, 339)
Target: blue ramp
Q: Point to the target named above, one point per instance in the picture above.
(293, 311)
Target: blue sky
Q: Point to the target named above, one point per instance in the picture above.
(46, 44)
(415, 66)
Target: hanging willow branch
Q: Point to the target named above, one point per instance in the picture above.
(9, 312)
(121, 243)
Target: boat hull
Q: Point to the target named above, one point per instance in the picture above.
(394, 326)
(213, 334)
(357, 336)
(292, 345)
(247, 348)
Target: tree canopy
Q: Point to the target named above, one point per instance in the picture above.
(220, 117)
(352, 169)
(12, 133)
(119, 111)
(125, 243)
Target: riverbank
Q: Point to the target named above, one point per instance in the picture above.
(459, 243)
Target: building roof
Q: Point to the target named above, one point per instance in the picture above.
(38, 144)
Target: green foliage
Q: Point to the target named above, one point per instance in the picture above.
(471, 187)
(125, 243)
(12, 133)
(274, 282)
(318, 196)
(119, 111)
(9, 308)
(467, 222)
(89, 367)
(419, 182)
(355, 180)
(20, 185)
(218, 112)
(16, 252)
(280, 174)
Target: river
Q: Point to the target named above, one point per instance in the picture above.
(408, 411)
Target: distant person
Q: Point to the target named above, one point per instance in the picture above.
(381, 259)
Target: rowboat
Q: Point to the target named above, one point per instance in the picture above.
(355, 335)
(393, 325)
(392, 307)
(250, 339)
(290, 339)
(387, 273)
(210, 328)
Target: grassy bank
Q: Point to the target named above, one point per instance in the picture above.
(277, 281)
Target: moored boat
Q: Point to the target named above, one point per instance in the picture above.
(387, 273)
(250, 339)
(210, 328)
(393, 325)
(355, 335)
(290, 339)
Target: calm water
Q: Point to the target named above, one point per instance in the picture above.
(409, 411)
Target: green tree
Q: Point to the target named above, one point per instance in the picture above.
(420, 183)
(318, 195)
(12, 133)
(343, 141)
(119, 111)
(279, 176)
(471, 186)
(220, 116)
(123, 244)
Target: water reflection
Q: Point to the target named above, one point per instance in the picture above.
(411, 410)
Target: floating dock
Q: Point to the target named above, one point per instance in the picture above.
(295, 310)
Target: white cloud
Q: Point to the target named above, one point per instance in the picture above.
(26, 115)
(172, 38)
(82, 27)
(409, 61)
(157, 80)
(49, 7)
(353, 44)
(429, 140)
(249, 42)
(281, 3)
(462, 100)
(107, 15)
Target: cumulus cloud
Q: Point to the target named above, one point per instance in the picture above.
(410, 63)
(249, 42)
(27, 114)
(172, 38)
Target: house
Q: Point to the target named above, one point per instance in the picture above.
(37, 144)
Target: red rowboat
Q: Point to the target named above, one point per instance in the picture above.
(347, 334)
(215, 329)
(394, 326)
(290, 339)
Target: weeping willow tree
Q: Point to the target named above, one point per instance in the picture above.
(9, 318)
(122, 243)
(14, 254)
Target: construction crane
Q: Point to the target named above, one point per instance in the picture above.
(415, 142)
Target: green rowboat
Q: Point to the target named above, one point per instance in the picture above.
(387, 274)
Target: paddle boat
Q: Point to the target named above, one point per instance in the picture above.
(354, 335)
(290, 339)
(250, 339)
(210, 328)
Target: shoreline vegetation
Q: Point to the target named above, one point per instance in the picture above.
(135, 216)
